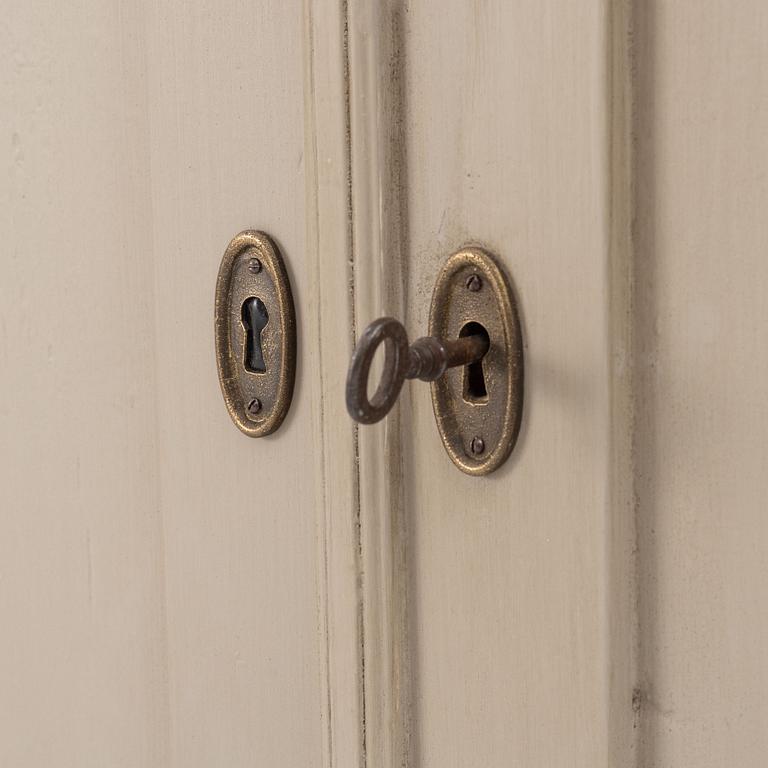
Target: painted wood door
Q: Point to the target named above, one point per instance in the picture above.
(175, 594)
(160, 571)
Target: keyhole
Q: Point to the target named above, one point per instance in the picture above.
(255, 318)
(475, 390)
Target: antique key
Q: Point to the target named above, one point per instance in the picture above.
(426, 359)
(473, 323)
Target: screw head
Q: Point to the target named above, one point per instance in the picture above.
(253, 408)
(254, 266)
(474, 283)
(477, 446)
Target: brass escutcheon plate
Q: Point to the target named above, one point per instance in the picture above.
(257, 394)
(478, 412)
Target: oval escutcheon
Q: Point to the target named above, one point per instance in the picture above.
(255, 328)
(478, 408)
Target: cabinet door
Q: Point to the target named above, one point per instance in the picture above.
(160, 573)
(174, 594)
(499, 609)
(599, 600)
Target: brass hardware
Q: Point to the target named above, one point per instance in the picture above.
(479, 429)
(473, 357)
(255, 328)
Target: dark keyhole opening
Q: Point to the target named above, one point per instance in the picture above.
(255, 318)
(475, 390)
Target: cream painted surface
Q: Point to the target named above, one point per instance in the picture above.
(173, 594)
(378, 130)
(227, 151)
(83, 657)
(160, 574)
(702, 330)
(520, 624)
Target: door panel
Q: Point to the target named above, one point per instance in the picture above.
(175, 594)
(702, 368)
(227, 152)
(82, 649)
(160, 571)
(519, 582)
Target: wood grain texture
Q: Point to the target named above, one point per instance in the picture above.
(701, 319)
(520, 583)
(83, 672)
(241, 562)
(378, 129)
(163, 579)
(174, 594)
(330, 246)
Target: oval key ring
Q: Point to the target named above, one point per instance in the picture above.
(392, 333)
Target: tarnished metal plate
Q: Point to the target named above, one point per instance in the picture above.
(255, 326)
(478, 412)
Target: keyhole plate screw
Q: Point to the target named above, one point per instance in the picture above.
(474, 283)
(477, 446)
(253, 408)
(254, 266)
